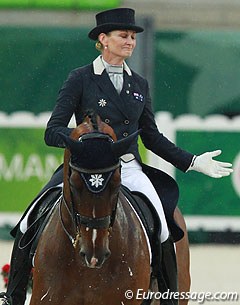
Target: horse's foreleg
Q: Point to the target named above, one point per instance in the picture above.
(183, 257)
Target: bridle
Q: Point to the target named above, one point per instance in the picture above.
(77, 219)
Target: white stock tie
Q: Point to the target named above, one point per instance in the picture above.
(116, 76)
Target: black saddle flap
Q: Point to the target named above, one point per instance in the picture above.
(146, 212)
(38, 216)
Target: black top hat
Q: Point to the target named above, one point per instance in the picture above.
(115, 19)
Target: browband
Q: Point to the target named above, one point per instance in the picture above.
(94, 171)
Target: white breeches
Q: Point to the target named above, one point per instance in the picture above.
(133, 178)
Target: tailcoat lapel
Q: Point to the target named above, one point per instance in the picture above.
(102, 79)
(107, 87)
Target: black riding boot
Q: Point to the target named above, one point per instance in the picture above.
(20, 269)
(169, 269)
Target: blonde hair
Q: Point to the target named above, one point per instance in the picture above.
(99, 46)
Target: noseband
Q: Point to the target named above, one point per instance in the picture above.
(96, 180)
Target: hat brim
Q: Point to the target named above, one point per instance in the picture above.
(108, 27)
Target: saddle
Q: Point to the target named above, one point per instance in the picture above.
(165, 186)
(147, 214)
(44, 208)
(42, 211)
(38, 219)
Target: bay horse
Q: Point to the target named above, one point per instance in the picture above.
(93, 248)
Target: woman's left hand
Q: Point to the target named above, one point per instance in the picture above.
(205, 164)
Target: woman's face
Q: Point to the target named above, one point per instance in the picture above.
(119, 45)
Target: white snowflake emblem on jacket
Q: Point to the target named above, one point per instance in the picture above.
(102, 102)
(96, 180)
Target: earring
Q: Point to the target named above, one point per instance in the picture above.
(105, 47)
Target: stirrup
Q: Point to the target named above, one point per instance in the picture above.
(5, 299)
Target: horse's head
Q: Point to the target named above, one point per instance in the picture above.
(91, 186)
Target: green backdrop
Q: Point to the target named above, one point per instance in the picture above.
(197, 72)
(194, 71)
(36, 61)
(60, 4)
(202, 195)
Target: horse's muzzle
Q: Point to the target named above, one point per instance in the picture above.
(95, 261)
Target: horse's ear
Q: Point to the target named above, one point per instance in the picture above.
(72, 145)
(120, 147)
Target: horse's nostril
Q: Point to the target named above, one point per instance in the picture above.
(82, 253)
(107, 254)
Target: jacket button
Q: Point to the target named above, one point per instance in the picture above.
(107, 121)
(126, 122)
(125, 134)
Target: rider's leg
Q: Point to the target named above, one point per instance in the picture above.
(133, 178)
(20, 269)
(169, 268)
(183, 257)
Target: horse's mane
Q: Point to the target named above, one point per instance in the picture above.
(91, 123)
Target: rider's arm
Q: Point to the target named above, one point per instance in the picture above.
(67, 102)
(183, 160)
(157, 142)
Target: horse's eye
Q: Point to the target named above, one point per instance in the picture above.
(114, 185)
(115, 181)
(75, 180)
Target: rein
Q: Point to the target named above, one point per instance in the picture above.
(73, 240)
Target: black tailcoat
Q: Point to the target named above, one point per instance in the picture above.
(90, 87)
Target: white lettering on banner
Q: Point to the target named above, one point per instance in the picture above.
(51, 164)
(14, 170)
(33, 168)
(21, 169)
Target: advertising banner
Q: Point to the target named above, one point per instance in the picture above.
(208, 204)
(203, 195)
(26, 164)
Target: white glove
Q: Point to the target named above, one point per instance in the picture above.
(206, 165)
